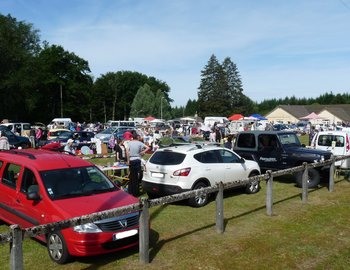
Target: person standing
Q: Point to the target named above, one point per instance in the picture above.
(135, 149)
(38, 134)
(4, 142)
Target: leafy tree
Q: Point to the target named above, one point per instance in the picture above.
(63, 73)
(161, 108)
(143, 103)
(177, 112)
(191, 108)
(19, 43)
(127, 84)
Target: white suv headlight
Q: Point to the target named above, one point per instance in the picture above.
(87, 228)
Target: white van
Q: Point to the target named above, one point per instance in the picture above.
(120, 123)
(336, 142)
(211, 120)
(60, 123)
(22, 129)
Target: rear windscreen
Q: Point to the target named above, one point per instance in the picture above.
(327, 139)
(167, 158)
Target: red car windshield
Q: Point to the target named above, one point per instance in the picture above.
(75, 182)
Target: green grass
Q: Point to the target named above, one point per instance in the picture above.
(311, 236)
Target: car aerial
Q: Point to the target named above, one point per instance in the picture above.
(14, 140)
(279, 150)
(39, 187)
(182, 168)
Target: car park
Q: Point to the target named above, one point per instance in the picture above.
(278, 150)
(39, 187)
(15, 141)
(176, 169)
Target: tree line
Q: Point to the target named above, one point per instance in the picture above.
(40, 81)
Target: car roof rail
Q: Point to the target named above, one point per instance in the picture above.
(198, 146)
(15, 152)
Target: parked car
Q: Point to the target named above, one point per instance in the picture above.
(39, 187)
(336, 142)
(55, 132)
(117, 132)
(278, 150)
(21, 129)
(182, 168)
(81, 138)
(14, 140)
(279, 127)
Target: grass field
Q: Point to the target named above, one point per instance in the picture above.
(315, 235)
(311, 236)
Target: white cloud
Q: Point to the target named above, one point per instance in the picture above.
(281, 48)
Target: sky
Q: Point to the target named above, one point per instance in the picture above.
(281, 48)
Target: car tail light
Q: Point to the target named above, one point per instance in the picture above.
(182, 172)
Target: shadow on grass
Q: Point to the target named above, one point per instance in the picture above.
(156, 246)
(96, 262)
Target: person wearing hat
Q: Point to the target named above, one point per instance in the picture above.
(69, 147)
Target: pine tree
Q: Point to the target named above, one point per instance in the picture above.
(235, 87)
(213, 89)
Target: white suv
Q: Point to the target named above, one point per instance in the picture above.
(182, 168)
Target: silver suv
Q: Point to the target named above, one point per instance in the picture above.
(182, 168)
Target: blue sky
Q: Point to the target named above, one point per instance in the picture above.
(281, 48)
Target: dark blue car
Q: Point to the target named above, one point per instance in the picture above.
(14, 140)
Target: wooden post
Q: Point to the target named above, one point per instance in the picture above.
(305, 183)
(220, 209)
(16, 250)
(144, 232)
(331, 175)
(269, 199)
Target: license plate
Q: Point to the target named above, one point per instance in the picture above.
(158, 175)
(125, 234)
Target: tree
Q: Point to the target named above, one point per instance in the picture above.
(19, 45)
(161, 107)
(220, 90)
(127, 84)
(191, 108)
(143, 103)
(65, 84)
(235, 87)
(213, 88)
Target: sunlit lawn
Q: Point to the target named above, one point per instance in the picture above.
(315, 235)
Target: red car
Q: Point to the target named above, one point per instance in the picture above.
(40, 186)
